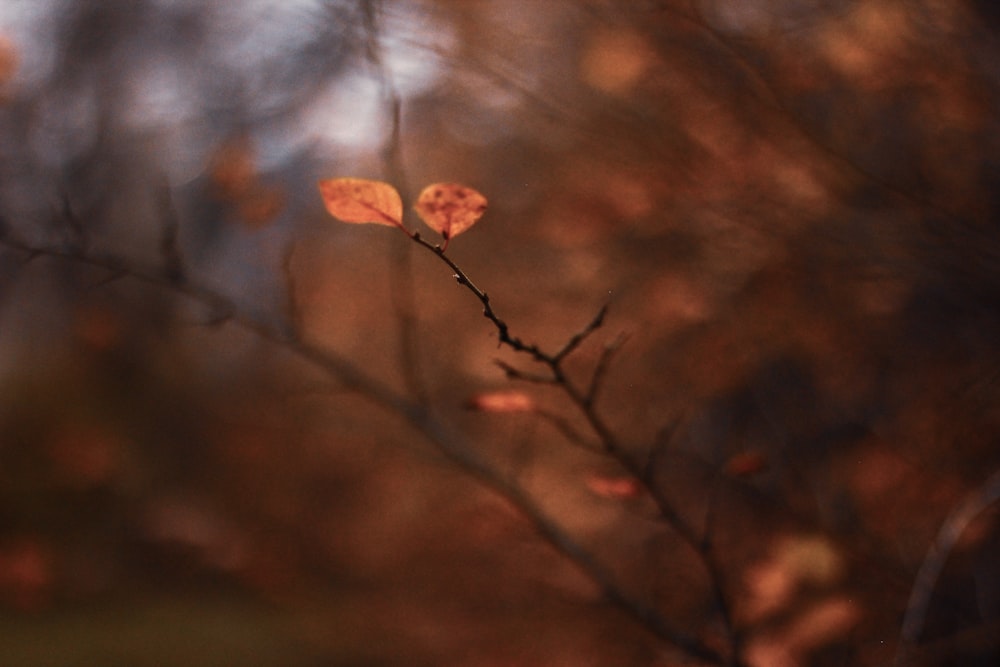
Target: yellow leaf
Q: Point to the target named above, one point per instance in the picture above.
(450, 208)
(363, 201)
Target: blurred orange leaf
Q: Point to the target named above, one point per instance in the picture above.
(362, 201)
(85, 456)
(450, 208)
(26, 574)
(233, 168)
(614, 487)
(746, 464)
(235, 180)
(262, 206)
(8, 60)
(502, 401)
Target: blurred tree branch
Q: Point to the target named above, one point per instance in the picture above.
(352, 377)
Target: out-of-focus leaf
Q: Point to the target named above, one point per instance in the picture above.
(614, 487)
(8, 60)
(826, 622)
(26, 574)
(450, 208)
(236, 181)
(615, 60)
(746, 464)
(262, 206)
(502, 401)
(85, 456)
(812, 559)
(362, 201)
(233, 168)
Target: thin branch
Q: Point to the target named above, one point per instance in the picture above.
(601, 368)
(581, 335)
(969, 644)
(948, 535)
(584, 402)
(292, 313)
(79, 237)
(401, 267)
(562, 425)
(503, 330)
(452, 447)
(515, 373)
(173, 265)
(768, 93)
(663, 439)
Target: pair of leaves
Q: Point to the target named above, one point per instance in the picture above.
(447, 208)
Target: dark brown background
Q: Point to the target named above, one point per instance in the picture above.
(790, 207)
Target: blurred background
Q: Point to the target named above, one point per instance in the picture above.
(790, 206)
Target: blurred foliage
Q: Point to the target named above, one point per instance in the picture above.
(791, 207)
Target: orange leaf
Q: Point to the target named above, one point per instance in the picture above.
(8, 60)
(746, 464)
(364, 201)
(614, 487)
(450, 208)
(502, 401)
(233, 169)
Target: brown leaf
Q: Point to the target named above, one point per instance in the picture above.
(450, 208)
(363, 201)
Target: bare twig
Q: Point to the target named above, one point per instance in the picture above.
(584, 402)
(173, 265)
(951, 530)
(768, 93)
(580, 336)
(515, 373)
(292, 313)
(601, 367)
(78, 231)
(448, 444)
(567, 430)
(401, 267)
(503, 330)
(967, 644)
